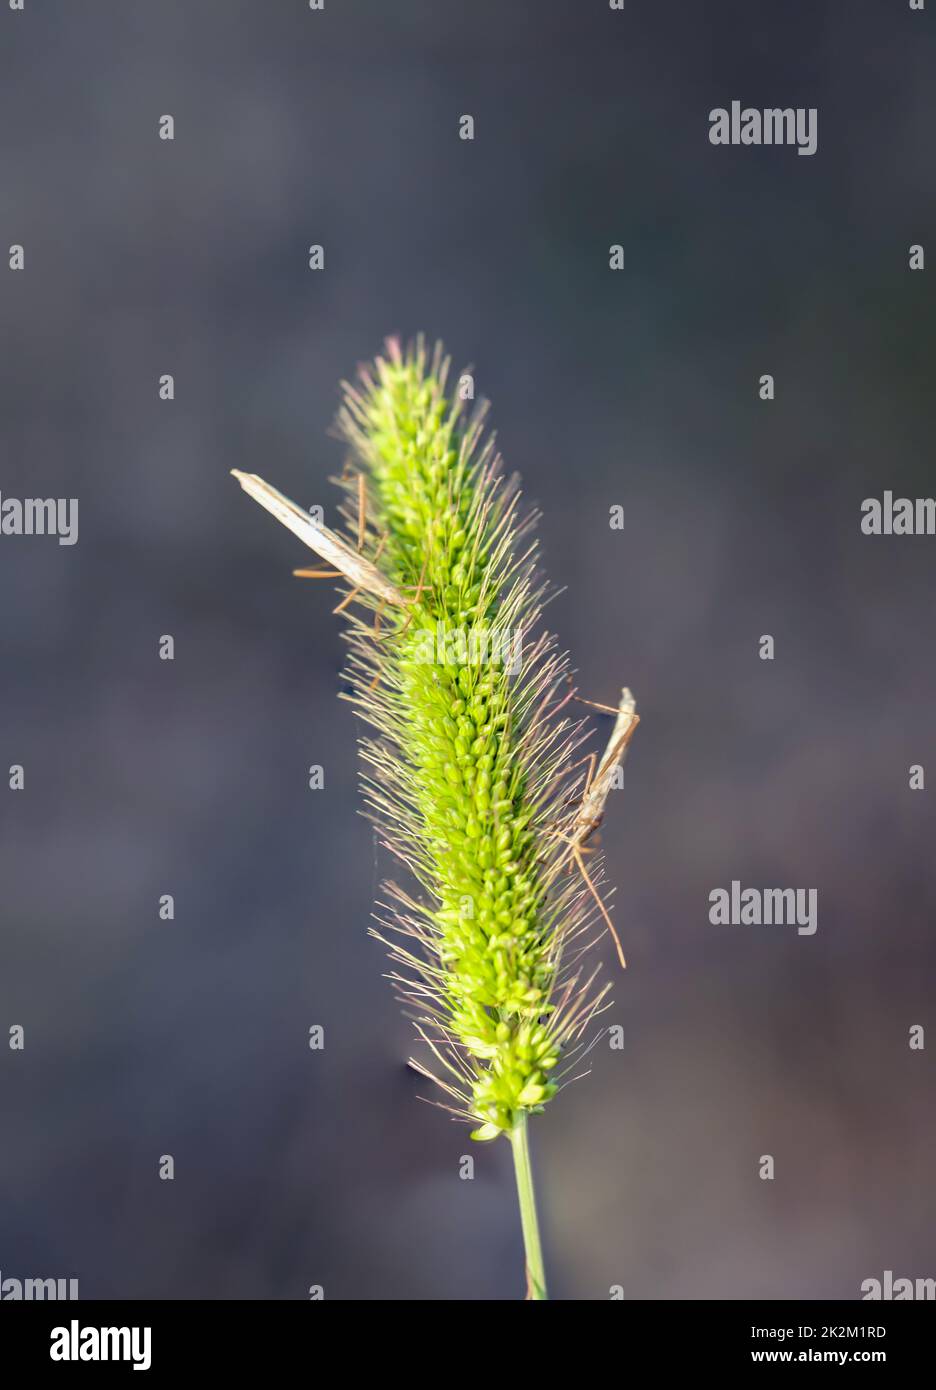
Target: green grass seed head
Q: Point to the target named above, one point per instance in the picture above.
(470, 773)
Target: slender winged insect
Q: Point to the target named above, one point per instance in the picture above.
(328, 544)
(590, 815)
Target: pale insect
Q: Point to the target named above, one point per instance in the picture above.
(598, 784)
(330, 546)
(591, 811)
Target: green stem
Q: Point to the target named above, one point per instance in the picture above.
(519, 1141)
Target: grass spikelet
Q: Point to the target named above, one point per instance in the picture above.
(471, 763)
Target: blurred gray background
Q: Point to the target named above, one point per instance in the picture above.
(636, 388)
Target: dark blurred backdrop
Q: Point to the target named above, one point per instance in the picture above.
(637, 387)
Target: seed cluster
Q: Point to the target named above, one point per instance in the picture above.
(460, 725)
